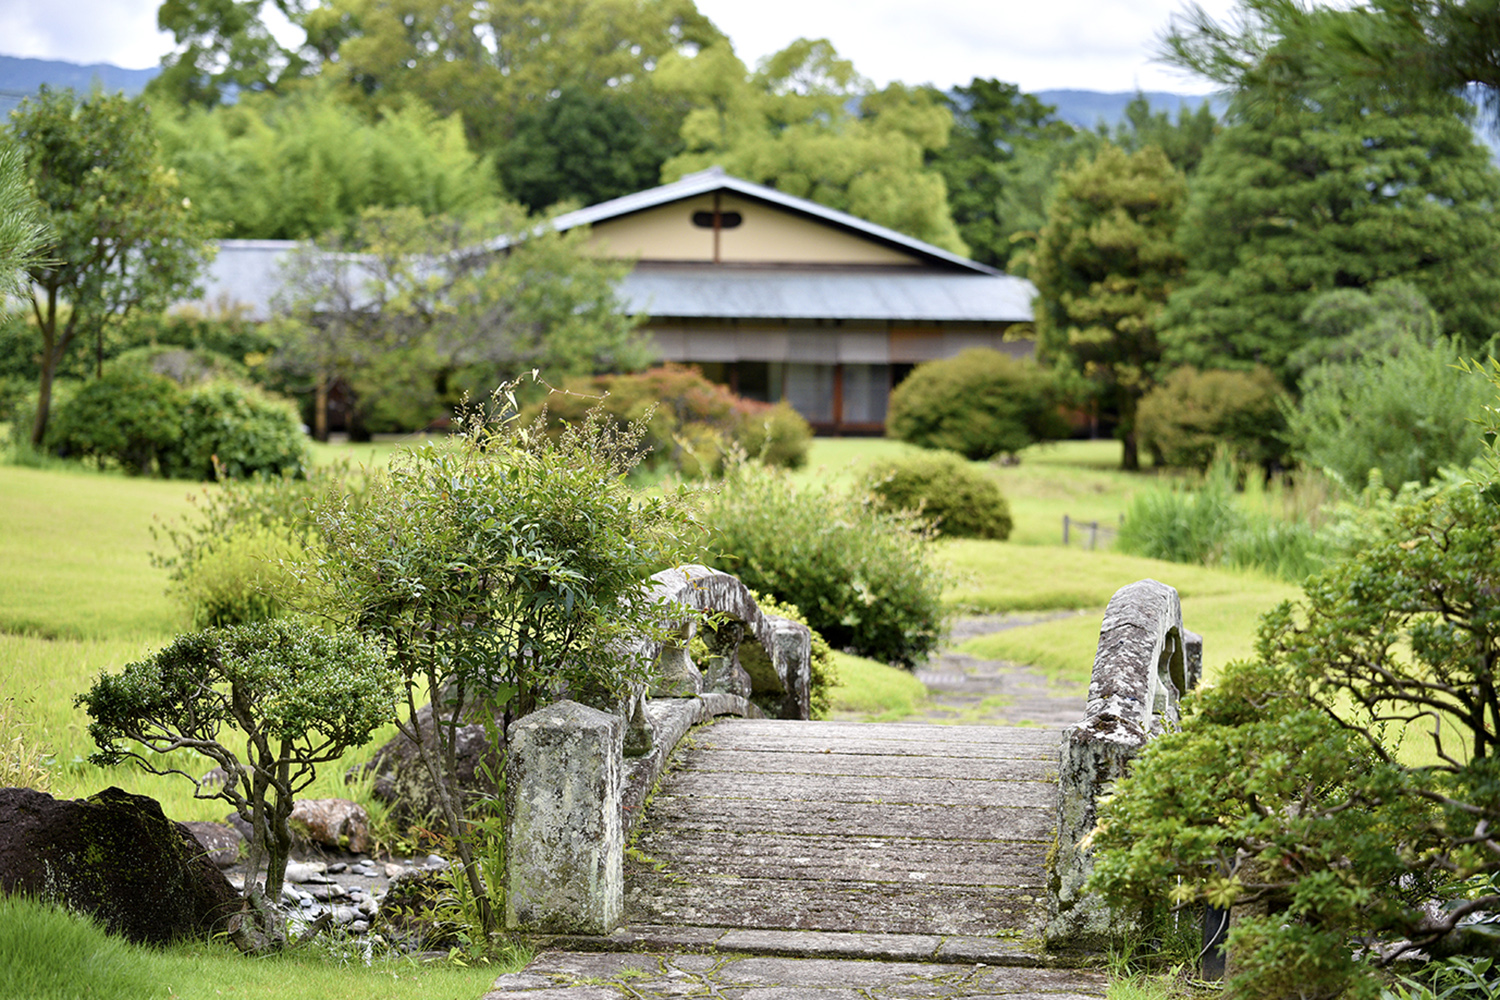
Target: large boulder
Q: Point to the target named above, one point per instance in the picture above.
(401, 780)
(114, 856)
(337, 824)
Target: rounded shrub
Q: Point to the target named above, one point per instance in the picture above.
(959, 500)
(127, 417)
(1186, 419)
(862, 575)
(694, 423)
(978, 403)
(243, 429)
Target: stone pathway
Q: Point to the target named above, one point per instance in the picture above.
(967, 690)
(613, 976)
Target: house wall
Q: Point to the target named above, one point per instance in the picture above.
(838, 377)
(765, 235)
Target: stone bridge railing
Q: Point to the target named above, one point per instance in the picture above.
(1145, 662)
(576, 776)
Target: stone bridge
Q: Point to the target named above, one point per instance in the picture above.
(782, 836)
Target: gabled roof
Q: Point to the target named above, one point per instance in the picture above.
(715, 179)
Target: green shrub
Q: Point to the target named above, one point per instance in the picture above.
(147, 423)
(694, 423)
(960, 501)
(237, 431)
(242, 580)
(127, 417)
(1187, 419)
(823, 675)
(1343, 772)
(863, 576)
(979, 403)
(1405, 412)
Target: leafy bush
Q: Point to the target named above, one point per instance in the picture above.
(693, 422)
(236, 431)
(1187, 419)
(126, 417)
(979, 403)
(245, 579)
(862, 576)
(1405, 412)
(147, 423)
(823, 672)
(960, 501)
(1285, 787)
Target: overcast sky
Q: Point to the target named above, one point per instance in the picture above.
(1085, 44)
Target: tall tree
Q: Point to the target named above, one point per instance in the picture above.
(1334, 193)
(806, 123)
(1104, 265)
(998, 165)
(297, 165)
(1184, 141)
(1272, 50)
(121, 235)
(414, 313)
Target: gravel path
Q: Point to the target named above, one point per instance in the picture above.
(966, 690)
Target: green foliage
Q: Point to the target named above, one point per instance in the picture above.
(823, 673)
(244, 581)
(979, 403)
(1104, 265)
(21, 232)
(1350, 323)
(121, 237)
(236, 431)
(1192, 415)
(581, 146)
(959, 500)
(298, 166)
(1456, 978)
(416, 340)
(1404, 411)
(1212, 525)
(793, 125)
(1183, 141)
(127, 417)
(148, 424)
(499, 570)
(1000, 138)
(863, 576)
(1346, 776)
(299, 696)
(691, 425)
(1319, 196)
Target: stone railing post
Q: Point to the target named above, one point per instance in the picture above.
(1144, 662)
(565, 847)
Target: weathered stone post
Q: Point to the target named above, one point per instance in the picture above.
(565, 849)
(1142, 666)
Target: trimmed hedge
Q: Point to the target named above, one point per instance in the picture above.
(1186, 419)
(978, 403)
(959, 500)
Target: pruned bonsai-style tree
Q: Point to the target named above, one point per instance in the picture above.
(296, 695)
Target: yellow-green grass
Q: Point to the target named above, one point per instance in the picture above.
(74, 550)
(49, 954)
(873, 692)
(368, 454)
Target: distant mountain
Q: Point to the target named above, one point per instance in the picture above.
(20, 78)
(1087, 108)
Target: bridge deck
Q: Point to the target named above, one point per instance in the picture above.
(878, 829)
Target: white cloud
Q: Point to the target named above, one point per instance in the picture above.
(1087, 44)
